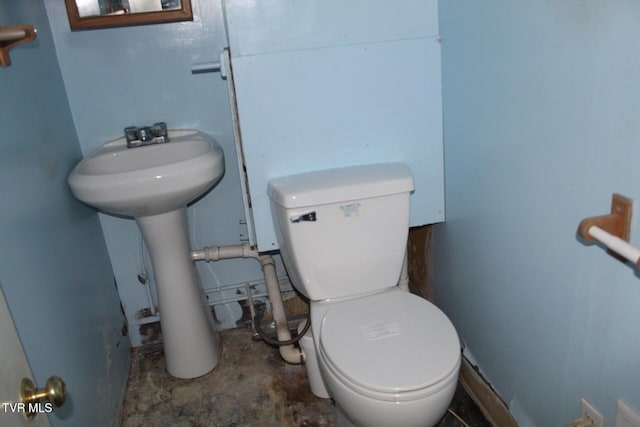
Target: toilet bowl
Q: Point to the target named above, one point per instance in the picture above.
(386, 357)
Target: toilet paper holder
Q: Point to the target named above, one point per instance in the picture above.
(613, 229)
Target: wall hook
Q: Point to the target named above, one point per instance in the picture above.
(11, 36)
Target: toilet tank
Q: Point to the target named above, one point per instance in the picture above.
(343, 232)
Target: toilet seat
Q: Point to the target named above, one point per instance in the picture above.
(391, 346)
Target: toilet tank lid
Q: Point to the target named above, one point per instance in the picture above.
(341, 184)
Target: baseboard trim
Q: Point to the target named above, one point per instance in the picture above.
(491, 405)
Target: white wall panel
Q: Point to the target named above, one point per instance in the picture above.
(322, 107)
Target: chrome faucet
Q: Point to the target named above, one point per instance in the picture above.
(145, 135)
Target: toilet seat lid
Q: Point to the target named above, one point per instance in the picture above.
(390, 342)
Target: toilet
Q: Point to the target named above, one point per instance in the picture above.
(385, 356)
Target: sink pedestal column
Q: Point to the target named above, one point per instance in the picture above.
(191, 344)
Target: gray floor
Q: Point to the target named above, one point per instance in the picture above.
(251, 386)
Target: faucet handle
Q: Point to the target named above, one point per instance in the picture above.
(131, 135)
(159, 130)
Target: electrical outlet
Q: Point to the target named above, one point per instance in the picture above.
(587, 409)
(625, 416)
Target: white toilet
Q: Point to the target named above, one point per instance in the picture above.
(386, 357)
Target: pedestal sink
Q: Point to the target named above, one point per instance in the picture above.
(153, 183)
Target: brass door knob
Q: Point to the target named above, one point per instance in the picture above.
(54, 393)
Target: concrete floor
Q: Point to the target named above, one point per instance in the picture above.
(251, 386)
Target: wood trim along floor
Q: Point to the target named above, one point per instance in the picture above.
(493, 408)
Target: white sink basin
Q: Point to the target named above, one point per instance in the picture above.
(148, 180)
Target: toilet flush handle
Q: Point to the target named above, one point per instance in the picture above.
(311, 216)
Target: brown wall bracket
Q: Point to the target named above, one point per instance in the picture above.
(11, 36)
(617, 223)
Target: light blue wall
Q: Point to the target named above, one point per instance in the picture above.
(140, 75)
(541, 124)
(54, 265)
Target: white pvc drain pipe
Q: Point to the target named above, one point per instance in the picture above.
(289, 353)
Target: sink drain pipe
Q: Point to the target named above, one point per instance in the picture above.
(288, 351)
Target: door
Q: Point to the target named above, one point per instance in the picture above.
(13, 367)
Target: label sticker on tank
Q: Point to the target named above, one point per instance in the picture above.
(350, 210)
(380, 330)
